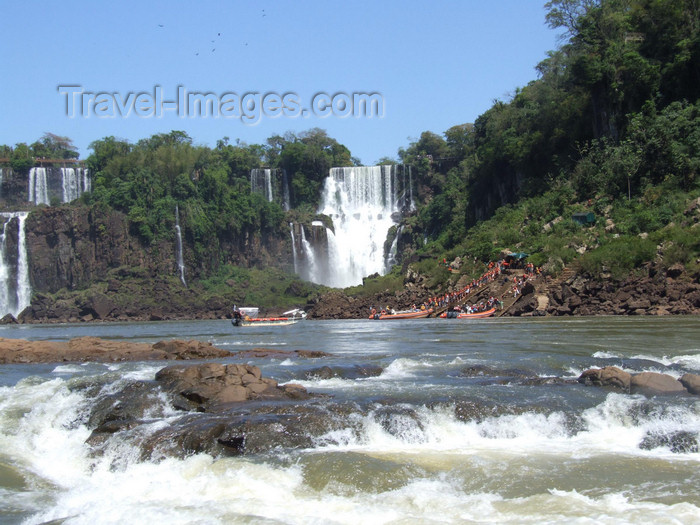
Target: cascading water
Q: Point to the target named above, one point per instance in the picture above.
(38, 186)
(391, 258)
(364, 203)
(74, 181)
(42, 181)
(267, 182)
(294, 247)
(285, 191)
(310, 257)
(178, 236)
(15, 288)
(261, 182)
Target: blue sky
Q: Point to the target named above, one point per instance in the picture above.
(436, 64)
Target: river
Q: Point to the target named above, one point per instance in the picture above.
(535, 452)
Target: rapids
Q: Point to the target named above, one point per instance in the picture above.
(467, 421)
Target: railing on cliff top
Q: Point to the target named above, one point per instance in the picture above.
(41, 162)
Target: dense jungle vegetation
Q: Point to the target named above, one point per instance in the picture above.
(611, 125)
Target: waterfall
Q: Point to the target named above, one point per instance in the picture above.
(38, 186)
(0, 182)
(178, 236)
(15, 288)
(308, 251)
(285, 191)
(87, 182)
(261, 181)
(391, 257)
(75, 182)
(362, 202)
(294, 247)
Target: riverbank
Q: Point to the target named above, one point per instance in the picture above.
(655, 290)
(94, 349)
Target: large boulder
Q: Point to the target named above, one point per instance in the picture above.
(654, 383)
(610, 376)
(691, 382)
(201, 387)
(178, 349)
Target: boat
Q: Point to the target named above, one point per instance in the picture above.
(406, 314)
(248, 316)
(464, 315)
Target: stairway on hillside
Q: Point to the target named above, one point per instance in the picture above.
(496, 288)
(543, 294)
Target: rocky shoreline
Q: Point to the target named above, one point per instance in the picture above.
(656, 291)
(83, 349)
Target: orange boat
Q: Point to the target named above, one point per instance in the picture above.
(407, 314)
(475, 315)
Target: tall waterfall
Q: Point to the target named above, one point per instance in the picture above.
(272, 183)
(286, 204)
(178, 235)
(261, 182)
(74, 181)
(294, 248)
(15, 288)
(364, 202)
(38, 186)
(44, 184)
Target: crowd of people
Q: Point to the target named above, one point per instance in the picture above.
(458, 297)
(492, 273)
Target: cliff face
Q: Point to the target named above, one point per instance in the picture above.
(72, 246)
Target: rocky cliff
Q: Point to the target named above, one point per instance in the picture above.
(85, 264)
(72, 246)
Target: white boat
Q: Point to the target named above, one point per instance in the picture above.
(249, 317)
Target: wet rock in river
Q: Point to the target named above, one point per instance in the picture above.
(691, 382)
(680, 442)
(351, 372)
(655, 384)
(610, 376)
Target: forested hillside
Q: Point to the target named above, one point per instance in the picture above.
(610, 127)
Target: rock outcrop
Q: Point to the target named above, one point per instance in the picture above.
(661, 291)
(84, 349)
(649, 383)
(200, 387)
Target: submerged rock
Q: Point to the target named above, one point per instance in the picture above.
(351, 372)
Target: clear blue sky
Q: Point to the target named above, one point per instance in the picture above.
(436, 64)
